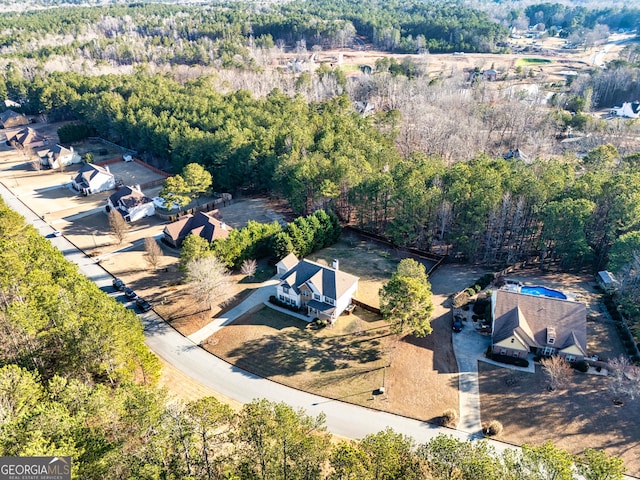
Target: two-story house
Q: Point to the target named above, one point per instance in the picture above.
(324, 291)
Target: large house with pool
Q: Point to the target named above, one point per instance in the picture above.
(538, 320)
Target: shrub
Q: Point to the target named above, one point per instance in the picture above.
(519, 362)
(450, 418)
(581, 366)
(470, 291)
(477, 288)
(481, 306)
(493, 428)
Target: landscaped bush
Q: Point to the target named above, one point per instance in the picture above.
(481, 306)
(483, 282)
(519, 362)
(288, 306)
(581, 366)
(493, 428)
(450, 418)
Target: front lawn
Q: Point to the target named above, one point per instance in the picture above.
(577, 417)
(347, 361)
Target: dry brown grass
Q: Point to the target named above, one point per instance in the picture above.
(578, 416)
(346, 362)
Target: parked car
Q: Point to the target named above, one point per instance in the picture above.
(129, 293)
(457, 324)
(142, 304)
(118, 284)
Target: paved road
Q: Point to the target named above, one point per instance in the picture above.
(346, 420)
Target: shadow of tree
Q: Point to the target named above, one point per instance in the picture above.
(294, 351)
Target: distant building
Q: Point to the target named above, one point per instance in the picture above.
(93, 179)
(132, 203)
(204, 225)
(9, 119)
(58, 156)
(26, 137)
(627, 110)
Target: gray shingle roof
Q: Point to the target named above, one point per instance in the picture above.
(529, 316)
(329, 282)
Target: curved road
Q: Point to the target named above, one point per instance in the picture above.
(343, 419)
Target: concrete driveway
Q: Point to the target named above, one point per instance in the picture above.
(469, 346)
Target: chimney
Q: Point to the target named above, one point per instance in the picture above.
(336, 264)
(137, 187)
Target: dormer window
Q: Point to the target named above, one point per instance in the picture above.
(551, 335)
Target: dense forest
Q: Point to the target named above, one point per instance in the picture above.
(76, 379)
(486, 209)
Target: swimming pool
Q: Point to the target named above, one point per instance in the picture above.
(542, 292)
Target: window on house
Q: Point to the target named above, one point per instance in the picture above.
(551, 341)
(571, 358)
(285, 289)
(329, 300)
(316, 296)
(305, 293)
(281, 298)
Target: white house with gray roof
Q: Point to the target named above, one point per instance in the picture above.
(324, 291)
(93, 179)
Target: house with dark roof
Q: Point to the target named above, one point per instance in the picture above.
(525, 323)
(9, 119)
(93, 179)
(26, 137)
(132, 203)
(203, 224)
(286, 264)
(325, 292)
(58, 156)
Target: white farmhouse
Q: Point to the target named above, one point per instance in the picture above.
(324, 291)
(132, 203)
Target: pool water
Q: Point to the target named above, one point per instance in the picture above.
(542, 292)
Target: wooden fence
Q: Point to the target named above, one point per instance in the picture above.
(366, 307)
(434, 260)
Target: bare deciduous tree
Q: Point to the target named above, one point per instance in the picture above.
(118, 225)
(558, 371)
(249, 268)
(208, 279)
(153, 252)
(626, 377)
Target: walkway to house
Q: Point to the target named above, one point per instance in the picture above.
(258, 297)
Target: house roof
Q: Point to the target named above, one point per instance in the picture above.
(529, 317)
(327, 281)
(607, 278)
(54, 152)
(7, 114)
(129, 197)
(289, 261)
(88, 172)
(202, 224)
(25, 136)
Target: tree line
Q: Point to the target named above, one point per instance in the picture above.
(266, 240)
(323, 154)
